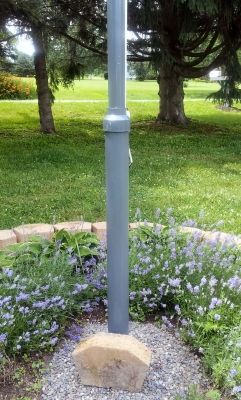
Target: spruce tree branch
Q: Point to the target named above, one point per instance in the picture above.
(13, 36)
(209, 50)
(188, 72)
(191, 45)
(82, 43)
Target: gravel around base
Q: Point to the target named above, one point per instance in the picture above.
(173, 369)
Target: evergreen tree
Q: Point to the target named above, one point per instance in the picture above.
(229, 91)
(66, 23)
(183, 39)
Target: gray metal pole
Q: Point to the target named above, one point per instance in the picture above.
(117, 127)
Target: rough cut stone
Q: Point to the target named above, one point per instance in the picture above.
(222, 238)
(99, 228)
(7, 237)
(136, 225)
(193, 231)
(25, 232)
(112, 360)
(73, 226)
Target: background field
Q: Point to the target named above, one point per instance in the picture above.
(97, 89)
(61, 177)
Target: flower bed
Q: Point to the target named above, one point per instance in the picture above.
(15, 88)
(183, 281)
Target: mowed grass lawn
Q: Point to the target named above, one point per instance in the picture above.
(62, 177)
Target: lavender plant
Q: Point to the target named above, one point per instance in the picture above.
(181, 279)
(38, 295)
(196, 285)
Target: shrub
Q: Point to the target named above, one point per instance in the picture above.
(15, 88)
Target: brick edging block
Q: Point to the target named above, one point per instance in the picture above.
(7, 237)
(74, 226)
(23, 233)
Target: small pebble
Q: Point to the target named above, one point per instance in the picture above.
(173, 369)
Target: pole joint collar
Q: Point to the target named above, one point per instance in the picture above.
(117, 122)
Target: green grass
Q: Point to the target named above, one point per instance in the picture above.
(97, 89)
(55, 178)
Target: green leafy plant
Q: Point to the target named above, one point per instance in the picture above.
(194, 393)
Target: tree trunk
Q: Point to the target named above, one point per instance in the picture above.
(171, 97)
(41, 77)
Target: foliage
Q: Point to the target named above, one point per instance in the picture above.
(23, 65)
(186, 282)
(195, 394)
(196, 285)
(182, 39)
(78, 248)
(142, 71)
(229, 92)
(42, 283)
(13, 87)
(203, 36)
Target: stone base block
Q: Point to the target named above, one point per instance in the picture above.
(7, 237)
(74, 226)
(25, 232)
(112, 361)
(99, 228)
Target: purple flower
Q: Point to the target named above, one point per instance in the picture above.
(217, 317)
(174, 282)
(24, 310)
(87, 308)
(145, 292)
(236, 389)
(74, 332)
(177, 309)
(53, 341)
(152, 305)
(5, 300)
(44, 288)
(189, 287)
(22, 297)
(196, 289)
(41, 304)
(203, 281)
(215, 303)
(7, 316)
(79, 288)
(213, 281)
(233, 372)
(132, 295)
(9, 272)
(72, 260)
(3, 337)
(234, 282)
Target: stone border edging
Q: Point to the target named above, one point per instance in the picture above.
(23, 233)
